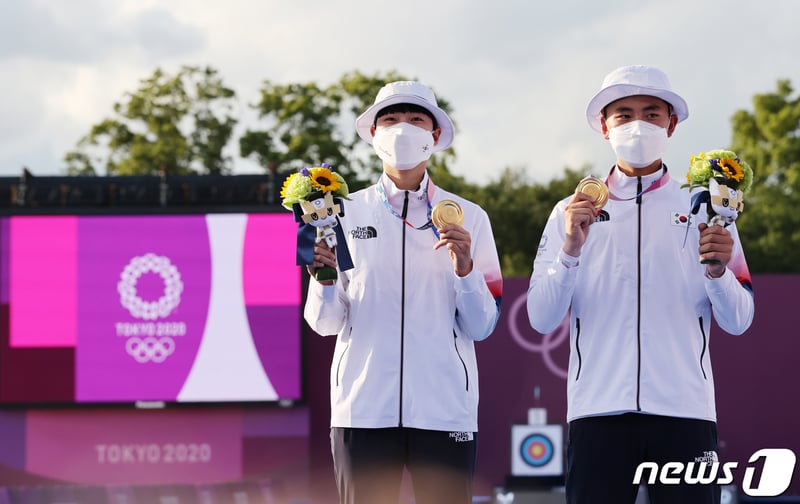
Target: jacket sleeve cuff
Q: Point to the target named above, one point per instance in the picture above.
(469, 283)
(567, 260)
(721, 283)
(324, 293)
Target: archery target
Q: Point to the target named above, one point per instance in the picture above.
(537, 450)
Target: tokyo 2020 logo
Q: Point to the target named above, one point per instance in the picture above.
(155, 343)
(173, 286)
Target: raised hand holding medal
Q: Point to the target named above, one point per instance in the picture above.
(457, 240)
(591, 194)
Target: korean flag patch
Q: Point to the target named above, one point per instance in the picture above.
(684, 219)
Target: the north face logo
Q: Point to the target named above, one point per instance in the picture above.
(461, 437)
(364, 233)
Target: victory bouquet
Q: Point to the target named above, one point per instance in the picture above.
(723, 179)
(315, 196)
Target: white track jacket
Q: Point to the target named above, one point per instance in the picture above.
(405, 322)
(639, 303)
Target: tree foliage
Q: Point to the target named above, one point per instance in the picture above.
(305, 124)
(768, 137)
(183, 123)
(301, 128)
(178, 123)
(518, 210)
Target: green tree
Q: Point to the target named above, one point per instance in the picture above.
(768, 138)
(301, 128)
(178, 123)
(306, 125)
(519, 211)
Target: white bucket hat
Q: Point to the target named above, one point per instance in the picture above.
(632, 81)
(407, 92)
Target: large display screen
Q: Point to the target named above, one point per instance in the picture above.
(174, 308)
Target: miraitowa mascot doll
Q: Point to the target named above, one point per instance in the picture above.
(726, 201)
(315, 196)
(722, 178)
(321, 212)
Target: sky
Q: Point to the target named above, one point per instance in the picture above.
(517, 73)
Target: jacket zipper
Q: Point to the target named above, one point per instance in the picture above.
(466, 373)
(578, 347)
(341, 357)
(703, 353)
(639, 295)
(402, 308)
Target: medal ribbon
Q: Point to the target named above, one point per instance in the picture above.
(429, 190)
(660, 181)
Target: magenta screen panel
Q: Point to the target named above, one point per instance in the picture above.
(175, 308)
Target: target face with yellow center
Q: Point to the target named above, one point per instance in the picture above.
(536, 450)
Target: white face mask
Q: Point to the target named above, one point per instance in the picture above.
(403, 146)
(638, 143)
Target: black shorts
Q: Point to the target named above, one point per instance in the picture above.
(369, 464)
(603, 453)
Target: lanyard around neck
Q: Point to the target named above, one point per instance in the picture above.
(429, 189)
(660, 181)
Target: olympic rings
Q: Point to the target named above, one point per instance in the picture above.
(550, 341)
(150, 349)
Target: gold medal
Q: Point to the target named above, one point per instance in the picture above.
(596, 188)
(446, 212)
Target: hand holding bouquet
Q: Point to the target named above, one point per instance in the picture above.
(723, 179)
(315, 196)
